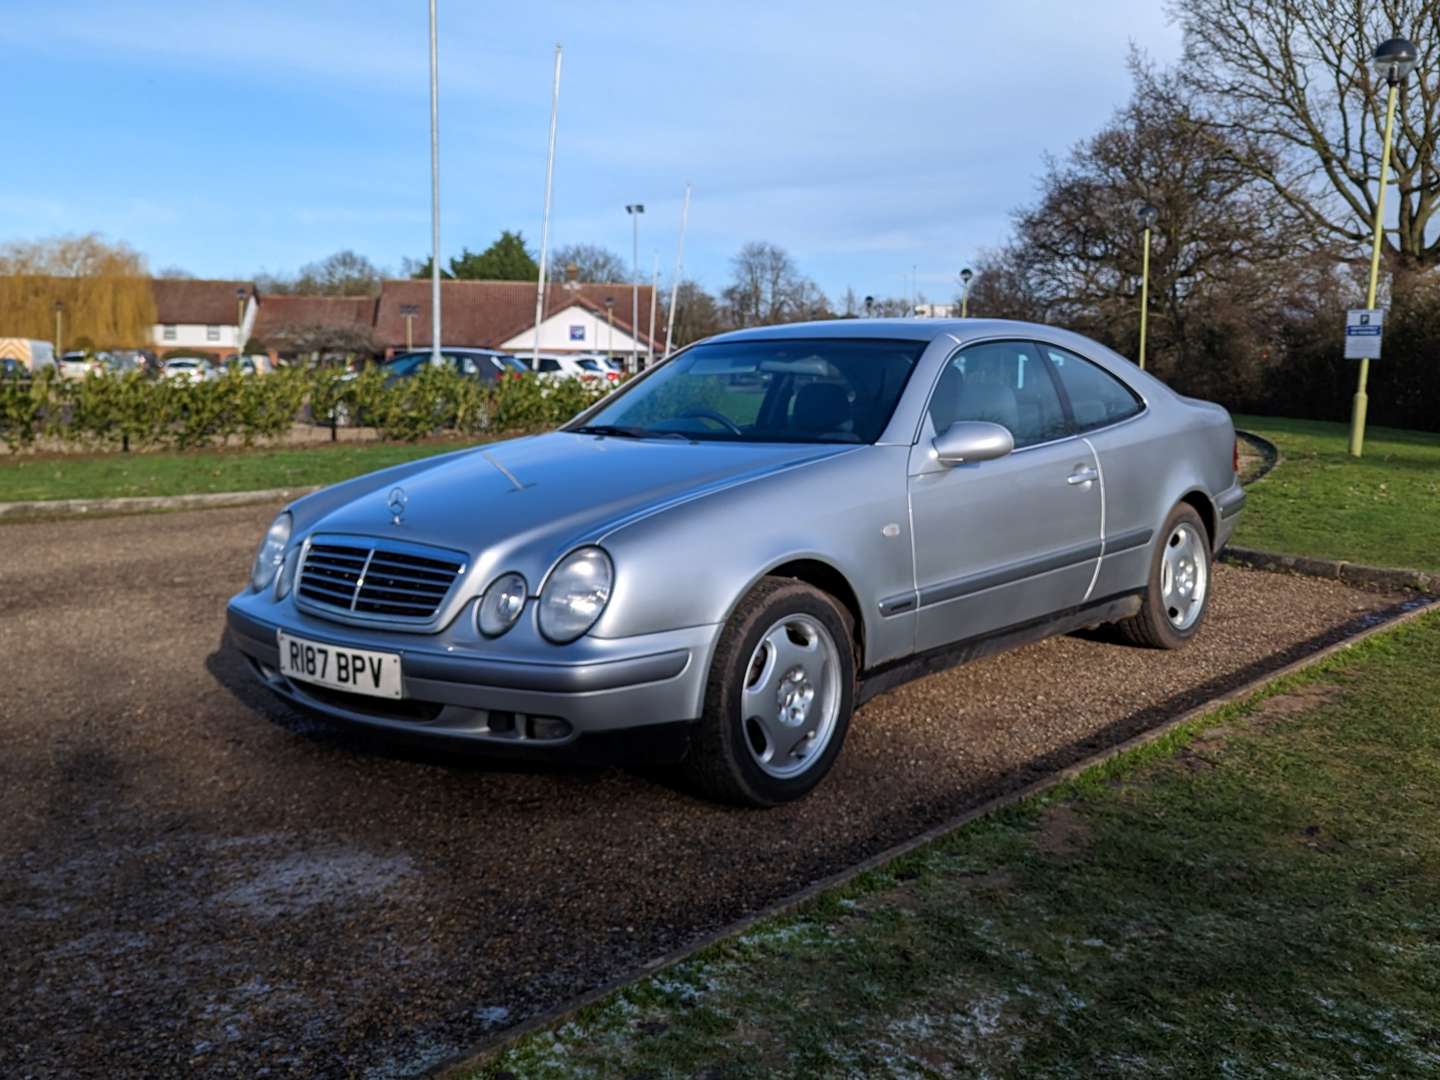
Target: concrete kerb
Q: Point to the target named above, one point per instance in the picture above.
(487, 1050)
(51, 508)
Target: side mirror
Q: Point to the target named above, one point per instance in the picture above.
(967, 441)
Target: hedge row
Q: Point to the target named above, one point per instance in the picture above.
(130, 410)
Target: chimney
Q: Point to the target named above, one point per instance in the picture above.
(572, 274)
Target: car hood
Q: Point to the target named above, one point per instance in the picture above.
(556, 490)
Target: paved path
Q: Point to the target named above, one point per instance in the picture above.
(195, 879)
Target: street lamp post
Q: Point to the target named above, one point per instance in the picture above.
(869, 307)
(635, 210)
(59, 318)
(610, 317)
(239, 321)
(408, 313)
(1147, 215)
(965, 276)
(1394, 59)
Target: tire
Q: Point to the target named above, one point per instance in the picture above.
(787, 658)
(1182, 561)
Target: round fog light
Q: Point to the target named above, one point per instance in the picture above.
(501, 605)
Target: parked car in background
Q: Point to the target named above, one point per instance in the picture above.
(722, 559)
(250, 364)
(587, 368)
(10, 368)
(77, 364)
(189, 369)
(33, 354)
(488, 365)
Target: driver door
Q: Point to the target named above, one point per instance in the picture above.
(1001, 542)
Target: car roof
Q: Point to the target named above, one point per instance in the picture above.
(885, 329)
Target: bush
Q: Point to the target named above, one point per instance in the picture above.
(129, 410)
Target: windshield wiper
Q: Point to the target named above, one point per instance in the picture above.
(627, 432)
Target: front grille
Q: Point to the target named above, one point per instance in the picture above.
(378, 580)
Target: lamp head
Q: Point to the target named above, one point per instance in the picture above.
(1147, 215)
(1395, 59)
(966, 275)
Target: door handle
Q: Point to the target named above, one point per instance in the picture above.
(1083, 475)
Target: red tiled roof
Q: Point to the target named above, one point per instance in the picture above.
(280, 311)
(485, 314)
(187, 300)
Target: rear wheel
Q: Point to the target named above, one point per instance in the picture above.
(1178, 592)
(779, 697)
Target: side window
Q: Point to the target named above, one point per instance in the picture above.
(548, 364)
(1097, 398)
(1005, 383)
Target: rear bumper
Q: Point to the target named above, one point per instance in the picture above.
(649, 689)
(1228, 505)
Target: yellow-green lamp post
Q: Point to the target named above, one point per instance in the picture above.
(1147, 215)
(59, 319)
(965, 276)
(1394, 60)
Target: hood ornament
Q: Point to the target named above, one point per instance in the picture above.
(397, 502)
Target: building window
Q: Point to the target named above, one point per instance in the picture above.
(167, 332)
(212, 333)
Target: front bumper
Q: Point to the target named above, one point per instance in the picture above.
(460, 688)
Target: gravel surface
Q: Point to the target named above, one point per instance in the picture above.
(196, 879)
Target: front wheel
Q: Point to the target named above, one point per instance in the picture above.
(1178, 592)
(779, 697)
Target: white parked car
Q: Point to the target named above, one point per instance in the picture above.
(189, 369)
(553, 367)
(76, 365)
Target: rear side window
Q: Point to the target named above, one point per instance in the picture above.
(1097, 398)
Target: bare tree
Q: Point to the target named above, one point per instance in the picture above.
(592, 263)
(766, 287)
(346, 273)
(696, 314)
(1295, 103)
(1077, 258)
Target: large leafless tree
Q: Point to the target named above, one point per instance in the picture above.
(1292, 97)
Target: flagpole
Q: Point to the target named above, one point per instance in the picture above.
(679, 268)
(545, 220)
(434, 193)
(654, 298)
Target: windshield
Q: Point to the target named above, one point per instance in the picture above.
(588, 365)
(840, 391)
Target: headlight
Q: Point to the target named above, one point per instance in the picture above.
(501, 605)
(271, 553)
(575, 594)
(286, 580)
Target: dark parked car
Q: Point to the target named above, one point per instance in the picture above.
(487, 365)
(10, 368)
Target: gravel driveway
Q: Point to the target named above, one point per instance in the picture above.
(195, 879)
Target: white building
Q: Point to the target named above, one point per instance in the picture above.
(202, 315)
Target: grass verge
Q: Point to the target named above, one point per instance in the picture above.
(1256, 893)
(112, 475)
(1380, 509)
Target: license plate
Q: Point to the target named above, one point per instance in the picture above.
(359, 671)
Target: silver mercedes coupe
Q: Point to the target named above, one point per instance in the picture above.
(720, 561)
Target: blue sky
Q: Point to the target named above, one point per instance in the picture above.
(863, 138)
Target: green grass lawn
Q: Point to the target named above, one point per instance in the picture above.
(115, 475)
(1256, 894)
(1382, 509)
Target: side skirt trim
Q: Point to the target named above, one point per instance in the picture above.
(898, 672)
